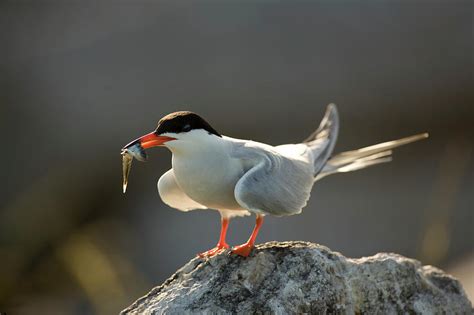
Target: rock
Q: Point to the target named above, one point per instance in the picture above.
(300, 277)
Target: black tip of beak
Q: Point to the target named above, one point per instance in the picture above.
(131, 144)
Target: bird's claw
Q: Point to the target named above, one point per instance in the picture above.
(243, 250)
(214, 251)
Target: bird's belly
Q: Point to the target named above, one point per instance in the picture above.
(210, 183)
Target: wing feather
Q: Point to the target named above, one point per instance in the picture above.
(274, 183)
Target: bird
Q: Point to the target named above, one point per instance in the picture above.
(242, 177)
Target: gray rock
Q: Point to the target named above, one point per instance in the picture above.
(300, 277)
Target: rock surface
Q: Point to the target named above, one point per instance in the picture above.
(300, 277)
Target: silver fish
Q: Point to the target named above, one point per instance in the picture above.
(127, 159)
(136, 150)
(130, 151)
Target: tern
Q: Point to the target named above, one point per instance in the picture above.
(242, 177)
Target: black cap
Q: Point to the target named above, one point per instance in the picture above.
(183, 121)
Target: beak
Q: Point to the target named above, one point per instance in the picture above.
(137, 146)
(150, 140)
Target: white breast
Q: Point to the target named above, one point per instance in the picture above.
(206, 173)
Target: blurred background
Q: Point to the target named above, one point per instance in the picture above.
(78, 80)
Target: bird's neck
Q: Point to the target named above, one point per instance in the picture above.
(198, 147)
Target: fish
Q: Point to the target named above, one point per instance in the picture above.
(129, 152)
(127, 160)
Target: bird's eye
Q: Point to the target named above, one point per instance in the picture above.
(187, 127)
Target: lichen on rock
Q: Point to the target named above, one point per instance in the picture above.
(301, 277)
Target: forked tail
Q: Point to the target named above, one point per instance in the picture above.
(357, 159)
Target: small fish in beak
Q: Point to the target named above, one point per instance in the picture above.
(127, 159)
(136, 149)
(128, 153)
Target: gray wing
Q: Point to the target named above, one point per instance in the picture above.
(273, 183)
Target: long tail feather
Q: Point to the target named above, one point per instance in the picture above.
(372, 155)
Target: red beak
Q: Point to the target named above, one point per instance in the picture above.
(153, 140)
(150, 140)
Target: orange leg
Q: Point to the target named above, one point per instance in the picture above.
(245, 249)
(221, 244)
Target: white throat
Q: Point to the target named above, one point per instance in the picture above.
(195, 142)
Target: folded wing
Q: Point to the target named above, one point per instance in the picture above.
(274, 183)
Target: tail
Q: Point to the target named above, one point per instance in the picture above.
(357, 159)
(321, 142)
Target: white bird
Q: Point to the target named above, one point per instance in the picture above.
(241, 177)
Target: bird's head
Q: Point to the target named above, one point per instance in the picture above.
(174, 130)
